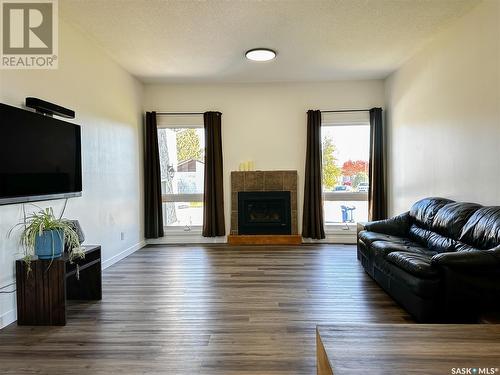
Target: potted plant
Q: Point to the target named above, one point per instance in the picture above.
(46, 236)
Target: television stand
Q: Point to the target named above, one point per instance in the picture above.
(42, 294)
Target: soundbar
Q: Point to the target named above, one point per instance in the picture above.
(47, 108)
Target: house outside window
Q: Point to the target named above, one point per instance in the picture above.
(181, 142)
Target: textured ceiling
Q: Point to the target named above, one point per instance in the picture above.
(205, 41)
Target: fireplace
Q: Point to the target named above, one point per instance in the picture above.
(264, 212)
(262, 182)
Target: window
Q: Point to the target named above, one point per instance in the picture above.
(181, 142)
(345, 151)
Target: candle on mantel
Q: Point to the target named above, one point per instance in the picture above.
(247, 165)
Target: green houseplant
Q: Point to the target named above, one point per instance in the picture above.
(46, 236)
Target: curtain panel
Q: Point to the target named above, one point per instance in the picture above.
(312, 217)
(213, 198)
(377, 199)
(153, 213)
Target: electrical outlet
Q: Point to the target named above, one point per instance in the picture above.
(122, 236)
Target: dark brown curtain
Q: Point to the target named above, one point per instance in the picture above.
(152, 180)
(377, 202)
(312, 218)
(213, 200)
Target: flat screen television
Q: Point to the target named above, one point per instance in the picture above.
(40, 157)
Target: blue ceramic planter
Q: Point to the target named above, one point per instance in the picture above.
(50, 244)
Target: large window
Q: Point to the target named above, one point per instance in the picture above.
(345, 150)
(181, 144)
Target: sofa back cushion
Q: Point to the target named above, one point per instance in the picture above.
(423, 212)
(451, 218)
(432, 240)
(482, 230)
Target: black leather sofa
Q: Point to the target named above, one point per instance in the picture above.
(440, 260)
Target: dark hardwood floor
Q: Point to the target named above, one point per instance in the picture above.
(205, 310)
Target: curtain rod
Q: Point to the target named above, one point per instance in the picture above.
(179, 113)
(346, 110)
(201, 113)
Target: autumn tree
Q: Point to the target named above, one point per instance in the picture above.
(351, 168)
(331, 172)
(359, 178)
(188, 145)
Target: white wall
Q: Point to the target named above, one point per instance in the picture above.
(444, 115)
(264, 122)
(108, 104)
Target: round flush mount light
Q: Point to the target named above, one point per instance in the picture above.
(260, 54)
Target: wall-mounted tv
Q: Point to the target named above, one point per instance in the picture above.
(40, 157)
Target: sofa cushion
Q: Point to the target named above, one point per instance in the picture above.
(418, 264)
(383, 248)
(395, 226)
(424, 211)
(451, 218)
(431, 240)
(424, 287)
(368, 237)
(464, 247)
(482, 230)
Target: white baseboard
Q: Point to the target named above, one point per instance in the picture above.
(334, 238)
(8, 318)
(125, 253)
(183, 238)
(179, 239)
(343, 239)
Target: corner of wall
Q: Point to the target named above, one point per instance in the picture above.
(109, 102)
(442, 115)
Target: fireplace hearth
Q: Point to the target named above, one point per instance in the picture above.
(264, 212)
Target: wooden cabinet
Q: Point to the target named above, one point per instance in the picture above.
(42, 293)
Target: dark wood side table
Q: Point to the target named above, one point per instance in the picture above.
(42, 294)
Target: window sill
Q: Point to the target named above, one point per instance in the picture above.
(338, 233)
(341, 228)
(194, 231)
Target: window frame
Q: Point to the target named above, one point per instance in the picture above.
(342, 196)
(185, 197)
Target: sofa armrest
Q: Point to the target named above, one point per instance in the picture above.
(360, 226)
(469, 259)
(396, 226)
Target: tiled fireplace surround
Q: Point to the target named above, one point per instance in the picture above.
(263, 181)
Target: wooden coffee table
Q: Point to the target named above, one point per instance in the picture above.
(425, 349)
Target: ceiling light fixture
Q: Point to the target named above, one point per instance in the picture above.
(260, 54)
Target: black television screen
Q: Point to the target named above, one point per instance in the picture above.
(40, 157)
